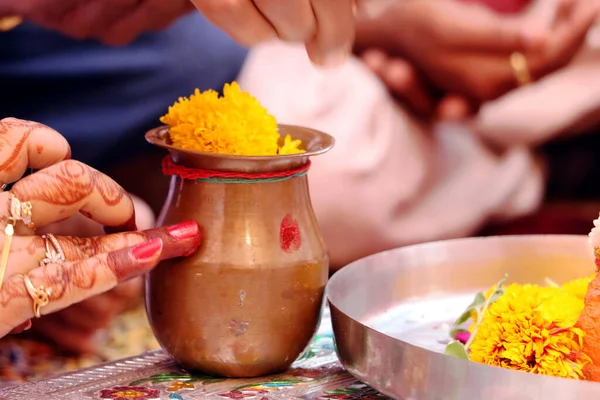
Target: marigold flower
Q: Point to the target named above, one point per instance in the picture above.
(531, 328)
(235, 123)
(578, 287)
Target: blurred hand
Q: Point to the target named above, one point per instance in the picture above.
(325, 26)
(465, 48)
(114, 22)
(411, 90)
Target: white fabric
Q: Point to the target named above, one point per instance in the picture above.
(389, 181)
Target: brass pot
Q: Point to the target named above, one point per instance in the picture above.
(248, 302)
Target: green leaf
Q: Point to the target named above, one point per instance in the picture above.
(478, 302)
(493, 297)
(456, 349)
(499, 290)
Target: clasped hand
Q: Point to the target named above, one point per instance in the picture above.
(429, 49)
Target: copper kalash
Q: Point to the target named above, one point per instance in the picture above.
(249, 301)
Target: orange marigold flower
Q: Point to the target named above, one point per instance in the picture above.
(532, 328)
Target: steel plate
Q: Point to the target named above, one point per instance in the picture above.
(390, 313)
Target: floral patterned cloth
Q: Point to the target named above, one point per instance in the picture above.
(316, 375)
(24, 359)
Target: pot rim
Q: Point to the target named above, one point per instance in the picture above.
(317, 143)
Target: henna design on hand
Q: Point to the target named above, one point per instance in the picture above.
(64, 277)
(6, 126)
(182, 239)
(83, 272)
(71, 182)
(13, 289)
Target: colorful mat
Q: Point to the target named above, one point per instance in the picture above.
(24, 359)
(316, 375)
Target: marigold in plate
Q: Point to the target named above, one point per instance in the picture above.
(578, 287)
(235, 123)
(531, 328)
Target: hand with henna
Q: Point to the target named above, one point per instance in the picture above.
(60, 189)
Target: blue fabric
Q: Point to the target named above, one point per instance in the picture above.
(101, 98)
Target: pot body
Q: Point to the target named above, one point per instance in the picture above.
(248, 302)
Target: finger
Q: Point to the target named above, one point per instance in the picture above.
(240, 19)
(73, 282)
(333, 41)
(77, 225)
(404, 82)
(27, 144)
(61, 190)
(454, 108)
(567, 39)
(178, 240)
(293, 20)
(489, 77)
(80, 226)
(375, 60)
(488, 32)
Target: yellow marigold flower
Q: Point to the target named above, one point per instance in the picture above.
(530, 328)
(578, 287)
(235, 123)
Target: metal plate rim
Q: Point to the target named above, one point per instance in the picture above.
(341, 317)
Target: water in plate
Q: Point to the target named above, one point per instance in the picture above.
(423, 322)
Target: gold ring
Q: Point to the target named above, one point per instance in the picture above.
(54, 252)
(8, 23)
(20, 211)
(518, 63)
(40, 296)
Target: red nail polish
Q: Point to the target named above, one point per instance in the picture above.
(195, 249)
(185, 230)
(147, 250)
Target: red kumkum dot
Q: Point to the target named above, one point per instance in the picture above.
(290, 238)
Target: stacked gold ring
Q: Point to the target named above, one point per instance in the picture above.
(22, 211)
(54, 252)
(18, 211)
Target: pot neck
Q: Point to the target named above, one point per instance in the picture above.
(171, 168)
(248, 165)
